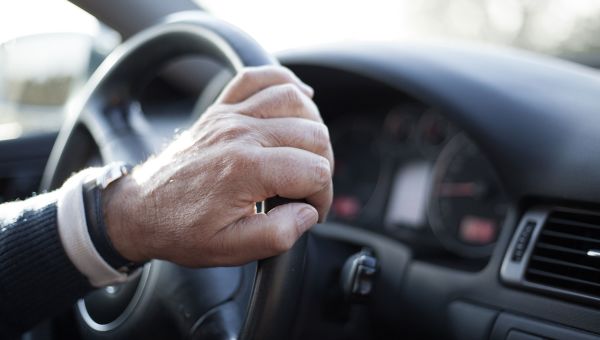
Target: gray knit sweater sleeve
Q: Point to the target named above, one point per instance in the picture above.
(37, 279)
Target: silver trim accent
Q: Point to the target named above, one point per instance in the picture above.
(131, 307)
(593, 253)
(110, 173)
(513, 272)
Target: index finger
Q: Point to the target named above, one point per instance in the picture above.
(255, 79)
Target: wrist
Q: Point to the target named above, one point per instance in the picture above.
(119, 203)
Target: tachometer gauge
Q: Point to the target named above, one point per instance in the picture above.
(467, 205)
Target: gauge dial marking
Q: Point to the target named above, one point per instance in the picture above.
(460, 189)
(467, 205)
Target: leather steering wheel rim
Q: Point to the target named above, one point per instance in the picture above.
(278, 280)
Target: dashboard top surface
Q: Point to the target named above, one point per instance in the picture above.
(536, 117)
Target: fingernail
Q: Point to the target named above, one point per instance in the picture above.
(307, 217)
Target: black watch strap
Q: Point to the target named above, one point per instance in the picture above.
(94, 214)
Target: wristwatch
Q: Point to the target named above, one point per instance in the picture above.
(93, 189)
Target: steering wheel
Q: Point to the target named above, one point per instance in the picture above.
(252, 302)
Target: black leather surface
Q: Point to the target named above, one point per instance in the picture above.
(274, 304)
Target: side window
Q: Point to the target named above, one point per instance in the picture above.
(48, 50)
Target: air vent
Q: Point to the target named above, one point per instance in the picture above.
(567, 253)
(556, 250)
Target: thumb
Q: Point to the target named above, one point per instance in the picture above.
(263, 235)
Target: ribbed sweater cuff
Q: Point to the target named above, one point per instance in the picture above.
(37, 279)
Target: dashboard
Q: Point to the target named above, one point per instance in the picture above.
(444, 156)
(469, 157)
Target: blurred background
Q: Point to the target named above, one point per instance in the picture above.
(49, 48)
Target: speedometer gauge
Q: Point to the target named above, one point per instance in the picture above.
(467, 205)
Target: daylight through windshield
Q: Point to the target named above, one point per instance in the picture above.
(564, 27)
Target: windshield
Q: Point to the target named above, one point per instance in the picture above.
(560, 27)
(46, 55)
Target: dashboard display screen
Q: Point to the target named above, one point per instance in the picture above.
(409, 195)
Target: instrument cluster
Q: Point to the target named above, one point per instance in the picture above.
(410, 173)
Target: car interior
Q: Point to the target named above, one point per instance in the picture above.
(467, 183)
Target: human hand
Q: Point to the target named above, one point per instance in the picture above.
(194, 203)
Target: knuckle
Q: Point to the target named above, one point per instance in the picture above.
(247, 75)
(291, 95)
(284, 73)
(216, 109)
(232, 129)
(277, 72)
(322, 171)
(312, 107)
(320, 137)
(242, 158)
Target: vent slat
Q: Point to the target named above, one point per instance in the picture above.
(559, 248)
(559, 258)
(564, 221)
(564, 263)
(569, 236)
(563, 277)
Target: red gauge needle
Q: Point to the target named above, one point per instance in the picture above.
(459, 189)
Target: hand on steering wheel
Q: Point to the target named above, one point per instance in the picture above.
(195, 205)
